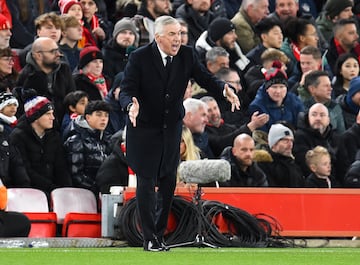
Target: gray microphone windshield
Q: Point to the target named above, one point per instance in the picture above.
(204, 171)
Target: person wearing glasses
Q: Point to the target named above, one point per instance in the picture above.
(47, 74)
(8, 75)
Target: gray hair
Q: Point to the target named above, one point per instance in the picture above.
(207, 99)
(214, 53)
(193, 105)
(162, 21)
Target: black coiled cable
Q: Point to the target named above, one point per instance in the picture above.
(192, 218)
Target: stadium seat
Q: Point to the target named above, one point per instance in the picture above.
(76, 210)
(34, 204)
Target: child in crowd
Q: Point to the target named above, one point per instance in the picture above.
(8, 108)
(319, 161)
(75, 102)
(88, 145)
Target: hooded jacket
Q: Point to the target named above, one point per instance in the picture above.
(86, 149)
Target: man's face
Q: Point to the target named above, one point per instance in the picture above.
(169, 41)
(201, 6)
(46, 121)
(309, 63)
(160, 7)
(259, 11)
(319, 117)
(345, 14)
(197, 121)
(228, 40)
(322, 92)
(49, 30)
(49, 55)
(89, 8)
(284, 146)
(348, 37)
(233, 79)
(221, 62)
(98, 120)
(213, 113)
(286, 8)
(5, 35)
(243, 151)
(184, 35)
(274, 38)
(73, 33)
(125, 38)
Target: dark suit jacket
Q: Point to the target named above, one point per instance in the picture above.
(152, 148)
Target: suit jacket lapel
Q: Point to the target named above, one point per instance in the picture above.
(159, 62)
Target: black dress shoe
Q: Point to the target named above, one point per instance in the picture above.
(153, 245)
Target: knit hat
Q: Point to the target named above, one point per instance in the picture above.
(277, 132)
(125, 24)
(219, 27)
(275, 75)
(333, 8)
(35, 106)
(353, 89)
(4, 23)
(65, 5)
(7, 98)
(89, 53)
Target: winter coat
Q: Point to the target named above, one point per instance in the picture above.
(348, 114)
(83, 83)
(253, 177)
(115, 58)
(114, 170)
(72, 55)
(12, 169)
(325, 26)
(196, 24)
(349, 144)
(288, 111)
(60, 82)
(352, 177)
(306, 138)
(313, 181)
(244, 29)
(283, 171)
(44, 158)
(86, 149)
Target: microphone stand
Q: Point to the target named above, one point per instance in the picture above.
(199, 240)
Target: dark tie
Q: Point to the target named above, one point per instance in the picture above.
(168, 65)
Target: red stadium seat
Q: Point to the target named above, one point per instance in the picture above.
(34, 204)
(76, 210)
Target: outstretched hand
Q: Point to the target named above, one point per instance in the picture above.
(134, 111)
(232, 98)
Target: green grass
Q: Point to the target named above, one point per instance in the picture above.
(187, 256)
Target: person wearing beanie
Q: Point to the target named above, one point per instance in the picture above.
(332, 12)
(221, 33)
(71, 34)
(273, 98)
(89, 77)
(47, 74)
(350, 102)
(117, 50)
(40, 145)
(65, 5)
(249, 14)
(8, 108)
(282, 170)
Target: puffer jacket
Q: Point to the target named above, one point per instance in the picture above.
(86, 150)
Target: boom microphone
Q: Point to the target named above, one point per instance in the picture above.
(204, 171)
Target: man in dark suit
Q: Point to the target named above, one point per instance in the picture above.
(153, 96)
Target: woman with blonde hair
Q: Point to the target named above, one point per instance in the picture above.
(188, 150)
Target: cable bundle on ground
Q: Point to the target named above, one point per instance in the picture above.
(218, 224)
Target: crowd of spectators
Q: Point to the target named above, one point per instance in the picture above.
(294, 64)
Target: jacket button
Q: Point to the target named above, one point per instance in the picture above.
(166, 111)
(167, 96)
(165, 126)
